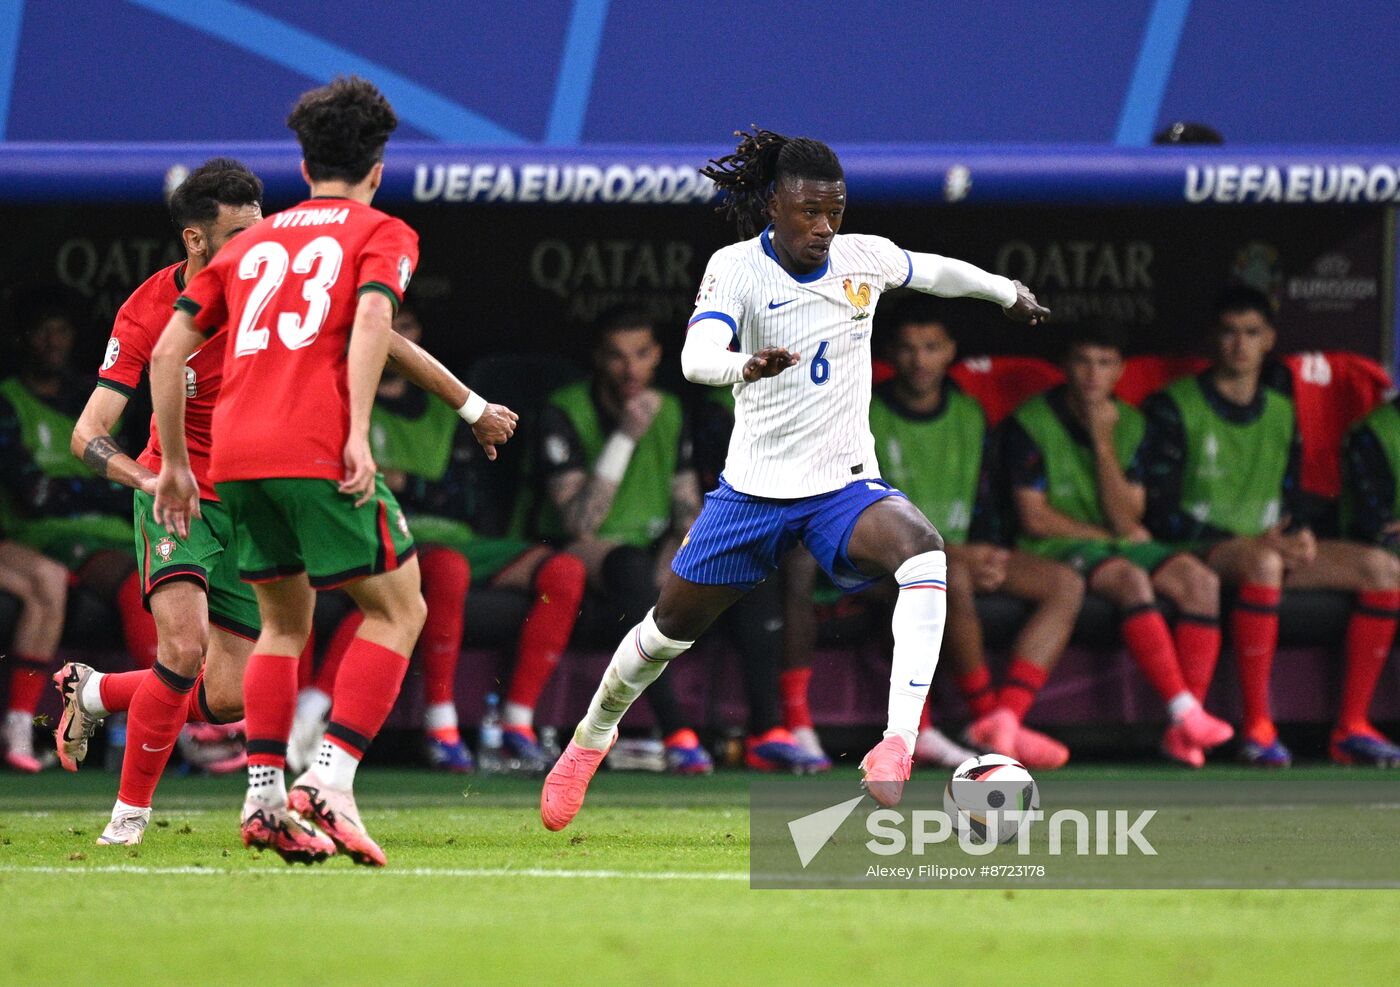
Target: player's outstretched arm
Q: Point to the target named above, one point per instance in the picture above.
(951, 278)
(176, 493)
(492, 424)
(707, 359)
(92, 442)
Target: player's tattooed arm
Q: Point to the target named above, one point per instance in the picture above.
(583, 501)
(685, 500)
(92, 442)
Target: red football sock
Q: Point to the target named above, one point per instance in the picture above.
(1254, 629)
(792, 684)
(1369, 636)
(559, 585)
(118, 690)
(446, 580)
(926, 716)
(364, 695)
(157, 713)
(1023, 681)
(1150, 643)
(977, 691)
(269, 703)
(27, 680)
(306, 664)
(138, 626)
(197, 710)
(335, 652)
(1198, 650)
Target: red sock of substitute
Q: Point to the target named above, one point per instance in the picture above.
(306, 664)
(1023, 680)
(158, 712)
(792, 685)
(1254, 629)
(138, 626)
(269, 702)
(335, 652)
(1369, 636)
(446, 581)
(1198, 650)
(559, 585)
(365, 691)
(977, 691)
(27, 680)
(926, 715)
(1150, 643)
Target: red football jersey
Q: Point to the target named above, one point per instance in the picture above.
(288, 289)
(138, 325)
(1331, 391)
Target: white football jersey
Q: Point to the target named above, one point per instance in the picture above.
(807, 430)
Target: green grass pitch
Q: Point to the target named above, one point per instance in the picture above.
(649, 886)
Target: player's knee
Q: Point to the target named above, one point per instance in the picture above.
(49, 582)
(1379, 570)
(1123, 583)
(1064, 589)
(183, 651)
(411, 613)
(1196, 589)
(1263, 565)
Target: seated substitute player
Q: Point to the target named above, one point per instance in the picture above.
(206, 617)
(1370, 469)
(308, 295)
(930, 438)
(432, 465)
(1222, 460)
(795, 299)
(41, 586)
(1072, 456)
(52, 504)
(616, 461)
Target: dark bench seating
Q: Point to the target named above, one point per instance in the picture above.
(1095, 682)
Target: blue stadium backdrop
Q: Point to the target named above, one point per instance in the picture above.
(549, 148)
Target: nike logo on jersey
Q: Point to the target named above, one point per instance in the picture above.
(781, 304)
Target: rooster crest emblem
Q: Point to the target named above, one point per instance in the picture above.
(859, 297)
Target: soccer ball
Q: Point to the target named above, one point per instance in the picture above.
(985, 783)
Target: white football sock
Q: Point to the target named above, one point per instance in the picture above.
(91, 696)
(440, 716)
(266, 785)
(312, 704)
(919, 616)
(638, 661)
(1181, 704)
(336, 766)
(516, 715)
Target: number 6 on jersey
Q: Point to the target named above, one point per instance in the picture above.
(268, 262)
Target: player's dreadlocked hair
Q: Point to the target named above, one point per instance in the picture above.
(219, 181)
(763, 158)
(342, 128)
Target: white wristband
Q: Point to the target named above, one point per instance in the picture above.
(612, 461)
(473, 409)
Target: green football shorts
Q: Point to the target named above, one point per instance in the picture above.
(487, 556)
(288, 525)
(1086, 556)
(207, 556)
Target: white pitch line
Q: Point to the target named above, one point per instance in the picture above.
(393, 872)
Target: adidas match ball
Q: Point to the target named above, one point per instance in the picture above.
(990, 782)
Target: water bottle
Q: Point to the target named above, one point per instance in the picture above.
(549, 743)
(116, 742)
(490, 758)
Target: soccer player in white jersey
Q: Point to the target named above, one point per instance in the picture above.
(784, 317)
